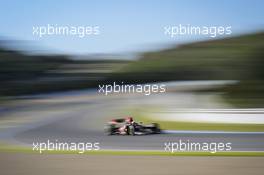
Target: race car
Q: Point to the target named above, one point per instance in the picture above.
(127, 126)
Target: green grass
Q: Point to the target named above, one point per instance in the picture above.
(168, 125)
(246, 94)
(177, 125)
(28, 150)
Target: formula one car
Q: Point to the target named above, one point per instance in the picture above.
(127, 126)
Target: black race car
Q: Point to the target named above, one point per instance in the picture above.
(127, 126)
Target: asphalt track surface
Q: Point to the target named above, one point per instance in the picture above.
(80, 117)
(43, 164)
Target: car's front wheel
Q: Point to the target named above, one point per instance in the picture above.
(109, 129)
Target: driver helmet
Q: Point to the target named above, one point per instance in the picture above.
(129, 120)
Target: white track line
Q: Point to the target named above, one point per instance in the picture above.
(207, 132)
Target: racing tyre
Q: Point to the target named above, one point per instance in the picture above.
(156, 128)
(131, 130)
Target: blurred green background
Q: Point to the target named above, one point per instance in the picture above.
(237, 58)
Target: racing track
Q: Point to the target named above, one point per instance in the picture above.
(80, 118)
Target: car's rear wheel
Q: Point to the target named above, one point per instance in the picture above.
(156, 128)
(131, 130)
